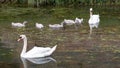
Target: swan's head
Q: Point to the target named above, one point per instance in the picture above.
(91, 9)
(65, 19)
(21, 37)
(82, 19)
(25, 22)
(76, 18)
(36, 23)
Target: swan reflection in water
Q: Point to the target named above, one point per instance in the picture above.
(42, 60)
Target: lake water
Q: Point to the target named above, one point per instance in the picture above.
(75, 48)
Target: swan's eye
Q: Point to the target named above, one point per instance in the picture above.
(20, 37)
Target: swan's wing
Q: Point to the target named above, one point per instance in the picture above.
(38, 50)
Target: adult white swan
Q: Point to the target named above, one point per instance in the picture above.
(93, 21)
(19, 24)
(36, 51)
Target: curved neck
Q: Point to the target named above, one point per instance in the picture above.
(24, 46)
(24, 22)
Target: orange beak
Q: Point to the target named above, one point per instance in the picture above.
(19, 39)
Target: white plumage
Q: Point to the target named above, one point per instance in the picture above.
(78, 21)
(68, 22)
(55, 26)
(19, 24)
(35, 52)
(39, 25)
(93, 21)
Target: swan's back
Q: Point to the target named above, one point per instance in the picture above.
(77, 20)
(69, 21)
(39, 52)
(38, 25)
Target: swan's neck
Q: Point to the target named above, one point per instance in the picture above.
(24, 22)
(24, 46)
(91, 14)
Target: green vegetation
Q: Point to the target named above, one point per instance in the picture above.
(78, 2)
(68, 3)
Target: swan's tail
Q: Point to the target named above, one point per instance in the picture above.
(52, 50)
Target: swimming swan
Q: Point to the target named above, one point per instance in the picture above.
(39, 25)
(55, 26)
(19, 24)
(35, 52)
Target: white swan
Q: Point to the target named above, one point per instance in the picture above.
(36, 51)
(78, 21)
(93, 21)
(68, 22)
(39, 25)
(19, 24)
(55, 26)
